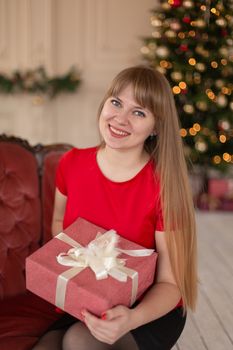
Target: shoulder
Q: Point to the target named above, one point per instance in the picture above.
(77, 154)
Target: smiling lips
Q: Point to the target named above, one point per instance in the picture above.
(118, 133)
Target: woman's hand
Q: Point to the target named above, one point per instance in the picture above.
(113, 324)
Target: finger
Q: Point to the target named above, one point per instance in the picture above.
(113, 313)
(95, 324)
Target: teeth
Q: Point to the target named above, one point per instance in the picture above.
(118, 132)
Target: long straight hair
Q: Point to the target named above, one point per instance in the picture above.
(152, 91)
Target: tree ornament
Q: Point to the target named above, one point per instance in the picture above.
(176, 76)
(224, 33)
(221, 100)
(219, 83)
(165, 6)
(188, 4)
(175, 3)
(201, 145)
(224, 124)
(189, 109)
(229, 42)
(175, 25)
(200, 23)
(202, 106)
(183, 47)
(156, 34)
(221, 22)
(186, 19)
(170, 34)
(224, 51)
(162, 51)
(156, 22)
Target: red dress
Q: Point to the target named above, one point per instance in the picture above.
(132, 207)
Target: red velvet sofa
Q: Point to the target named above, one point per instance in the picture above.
(27, 177)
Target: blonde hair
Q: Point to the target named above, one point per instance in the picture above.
(152, 91)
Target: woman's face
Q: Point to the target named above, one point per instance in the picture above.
(123, 123)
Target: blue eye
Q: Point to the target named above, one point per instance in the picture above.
(115, 103)
(139, 113)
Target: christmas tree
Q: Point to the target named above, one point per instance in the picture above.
(192, 45)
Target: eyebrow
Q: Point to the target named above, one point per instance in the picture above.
(138, 107)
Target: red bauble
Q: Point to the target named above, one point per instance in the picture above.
(184, 91)
(183, 47)
(223, 32)
(176, 3)
(186, 19)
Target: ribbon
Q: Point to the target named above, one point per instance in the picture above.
(101, 255)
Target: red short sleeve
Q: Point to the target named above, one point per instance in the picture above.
(62, 171)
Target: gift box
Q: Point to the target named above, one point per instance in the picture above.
(221, 188)
(69, 273)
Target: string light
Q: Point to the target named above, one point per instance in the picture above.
(181, 35)
(156, 22)
(213, 138)
(192, 132)
(222, 138)
(145, 50)
(183, 132)
(182, 85)
(226, 91)
(217, 159)
(192, 61)
(200, 66)
(156, 34)
(224, 61)
(188, 108)
(176, 89)
(214, 64)
(196, 127)
(226, 157)
(213, 10)
(192, 33)
(210, 94)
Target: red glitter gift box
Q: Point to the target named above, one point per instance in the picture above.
(74, 288)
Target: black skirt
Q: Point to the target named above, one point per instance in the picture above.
(160, 334)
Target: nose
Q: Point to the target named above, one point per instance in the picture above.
(122, 117)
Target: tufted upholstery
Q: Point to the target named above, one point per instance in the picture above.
(27, 177)
(26, 205)
(20, 213)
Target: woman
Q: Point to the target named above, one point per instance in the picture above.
(135, 182)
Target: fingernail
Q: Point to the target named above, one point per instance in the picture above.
(83, 313)
(59, 311)
(104, 316)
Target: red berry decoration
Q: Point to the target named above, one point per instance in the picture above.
(223, 32)
(183, 47)
(186, 19)
(176, 3)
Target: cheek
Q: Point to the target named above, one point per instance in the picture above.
(106, 113)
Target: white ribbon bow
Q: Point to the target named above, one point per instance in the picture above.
(101, 256)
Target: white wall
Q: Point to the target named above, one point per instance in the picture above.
(99, 36)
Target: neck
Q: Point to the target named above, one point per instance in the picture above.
(124, 158)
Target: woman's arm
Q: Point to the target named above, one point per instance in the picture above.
(161, 298)
(58, 212)
(164, 295)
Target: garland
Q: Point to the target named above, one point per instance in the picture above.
(37, 81)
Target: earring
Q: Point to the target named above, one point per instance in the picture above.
(152, 135)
